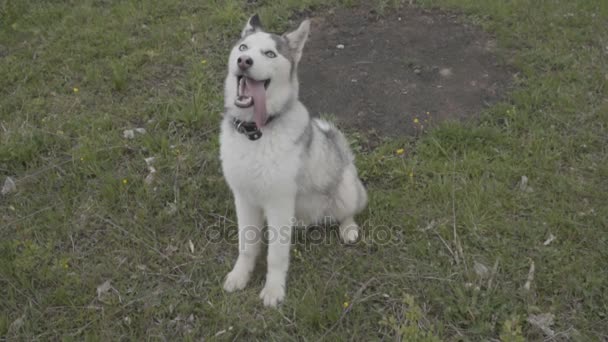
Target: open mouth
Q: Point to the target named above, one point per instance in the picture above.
(247, 89)
(249, 93)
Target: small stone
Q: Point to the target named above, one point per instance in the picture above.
(445, 72)
(340, 46)
(128, 134)
(417, 71)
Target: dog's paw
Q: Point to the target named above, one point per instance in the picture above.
(272, 294)
(349, 233)
(236, 281)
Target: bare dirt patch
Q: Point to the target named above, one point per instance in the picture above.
(380, 73)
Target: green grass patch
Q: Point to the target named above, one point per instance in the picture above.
(451, 230)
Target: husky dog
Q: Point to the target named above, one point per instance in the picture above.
(281, 164)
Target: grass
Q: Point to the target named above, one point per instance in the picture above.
(449, 236)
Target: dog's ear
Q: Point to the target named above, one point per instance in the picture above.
(253, 25)
(296, 39)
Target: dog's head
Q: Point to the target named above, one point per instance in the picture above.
(262, 76)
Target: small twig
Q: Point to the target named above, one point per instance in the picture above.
(59, 164)
(433, 224)
(456, 238)
(494, 271)
(208, 131)
(333, 273)
(113, 224)
(349, 308)
(530, 276)
(222, 217)
(36, 173)
(73, 245)
(202, 168)
(19, 291)
(455, 256)
(418, 276)
(175, 182)
(30, 215)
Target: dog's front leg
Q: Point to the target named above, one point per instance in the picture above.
(280, 221)
(250, 220)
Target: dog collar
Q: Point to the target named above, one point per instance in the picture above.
(249, 128)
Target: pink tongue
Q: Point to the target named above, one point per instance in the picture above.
(256, 90)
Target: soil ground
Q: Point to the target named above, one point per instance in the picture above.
(381, 72)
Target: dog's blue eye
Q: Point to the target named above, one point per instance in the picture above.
(243, 47)
(270, 54)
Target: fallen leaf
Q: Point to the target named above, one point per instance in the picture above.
(170, 208)
(549, 240)
(9, 186)
(17, 324)
(170, 249)
(523, 184)
(543, 322)
(104, 288)
(481, 269)
(530, 276)
(151, 170)
(150, 177)
(149, 160)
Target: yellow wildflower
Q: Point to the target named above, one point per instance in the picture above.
(204, 61)
(76, 90)
(125, 181)
(411, 174)
(400, 151)
(345, 304)
(416, 120)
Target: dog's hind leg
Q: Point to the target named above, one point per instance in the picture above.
(250, 220)
(350, 198)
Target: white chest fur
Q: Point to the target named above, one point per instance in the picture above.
(262, 168)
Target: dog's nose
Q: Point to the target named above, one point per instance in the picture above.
(244, 62)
